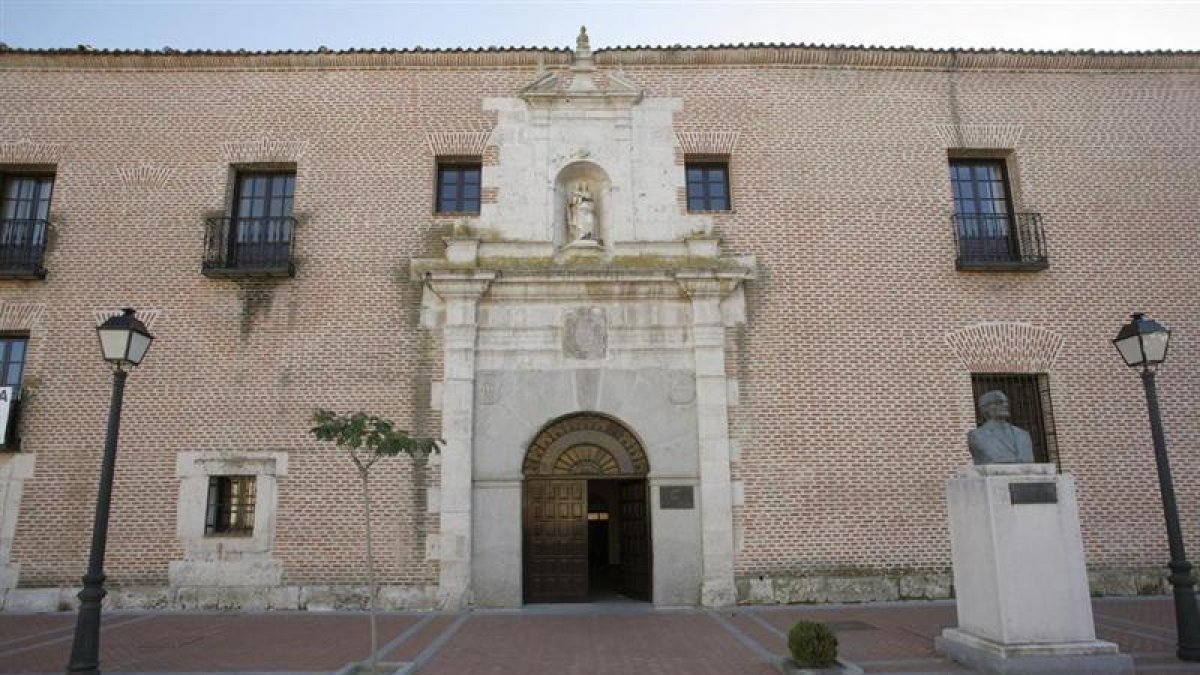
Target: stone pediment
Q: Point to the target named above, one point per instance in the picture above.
(582, 84)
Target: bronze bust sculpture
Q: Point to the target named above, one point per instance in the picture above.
(996, 441)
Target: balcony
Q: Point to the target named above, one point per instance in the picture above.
(22, 245)
(249, 247)
(1000, 242)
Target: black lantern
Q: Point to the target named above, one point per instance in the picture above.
(124, 339)
(1143, 342)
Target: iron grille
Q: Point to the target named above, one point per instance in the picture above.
(1029, 407)
(1000, 241)
(22, 245)
(249, 247)
(230, 505)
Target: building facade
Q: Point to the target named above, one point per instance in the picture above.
(696, 325)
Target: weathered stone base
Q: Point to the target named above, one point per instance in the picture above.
(1096, 656)
(878, 586)
(311, 598)
(818, 587)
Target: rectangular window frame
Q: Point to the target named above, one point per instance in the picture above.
(1030, 408)
(706, 195)
(11, 439)
(230, 507)
(455, 197)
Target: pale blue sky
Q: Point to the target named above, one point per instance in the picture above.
(341, 24)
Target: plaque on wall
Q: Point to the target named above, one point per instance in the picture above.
(676, 497)
(1033, 493)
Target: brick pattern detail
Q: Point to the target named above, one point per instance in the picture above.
(707, 142)
(146, 316)
(1006, 348)
(30, 152)
(263, 151)
(21, 318)
(145, 176)
(461, 143)
(982, 136)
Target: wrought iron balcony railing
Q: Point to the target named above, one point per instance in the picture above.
(249, 247)
(22, 245)
(1000, 241)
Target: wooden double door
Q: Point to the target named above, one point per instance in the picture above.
(555, 533)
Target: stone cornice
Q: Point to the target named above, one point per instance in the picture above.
(752, 55)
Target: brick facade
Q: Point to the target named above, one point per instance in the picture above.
(852, 369)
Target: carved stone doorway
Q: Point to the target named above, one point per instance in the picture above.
(586, 517)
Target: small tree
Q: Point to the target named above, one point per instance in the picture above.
(368, 438)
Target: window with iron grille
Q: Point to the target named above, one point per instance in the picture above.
(1029, 407)
(24, 214)
(458, 187)
(983, 209)
(230, 505)
(262, 209)
(707, 186)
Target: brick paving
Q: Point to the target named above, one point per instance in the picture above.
(561, 639)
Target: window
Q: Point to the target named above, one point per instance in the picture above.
(262, 213)
(708, 186)
(1028, 404)
(458, 187)
(26, 197)
(990, 234)
(24, 212)
(12, 366)
(230, 505)
(12, 361)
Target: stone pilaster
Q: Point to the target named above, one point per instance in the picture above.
(712, 416)
(460, 291)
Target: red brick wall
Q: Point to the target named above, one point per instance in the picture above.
(852, 402)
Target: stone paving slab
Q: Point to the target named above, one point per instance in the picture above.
(562, 639)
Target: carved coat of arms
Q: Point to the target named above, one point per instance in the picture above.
(585, 333)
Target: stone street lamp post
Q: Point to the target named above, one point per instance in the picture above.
(124, 341)
(1143, 343)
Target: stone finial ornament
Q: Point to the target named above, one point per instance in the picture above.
(996, 441)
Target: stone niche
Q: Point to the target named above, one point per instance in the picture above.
(577, 182)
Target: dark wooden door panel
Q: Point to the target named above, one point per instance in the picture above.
(556, 566)
(635, 540)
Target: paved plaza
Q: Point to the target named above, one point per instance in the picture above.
(601, 639)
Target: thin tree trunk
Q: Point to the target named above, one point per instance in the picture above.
(371, 660)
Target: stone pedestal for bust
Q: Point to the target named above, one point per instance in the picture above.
(1019, 575)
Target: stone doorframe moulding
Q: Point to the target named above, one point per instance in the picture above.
(460, 293)
(15, 469)
(224, 561)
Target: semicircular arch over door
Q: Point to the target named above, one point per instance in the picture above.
(566, 457)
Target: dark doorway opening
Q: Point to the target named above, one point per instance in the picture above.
(585, 517)
(600, 553)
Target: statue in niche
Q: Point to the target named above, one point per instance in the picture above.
(996, 441)
(581, 214)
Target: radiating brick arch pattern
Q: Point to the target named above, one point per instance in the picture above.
(17, 317)
(1006, 347)
(585, 445)
(30, 152)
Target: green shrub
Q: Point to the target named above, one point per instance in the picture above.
(813, 645)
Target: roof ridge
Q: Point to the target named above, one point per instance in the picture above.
(171, 51)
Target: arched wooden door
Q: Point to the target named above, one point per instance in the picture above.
(563, 459)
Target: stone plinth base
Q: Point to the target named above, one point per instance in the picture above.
(1095, 656)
